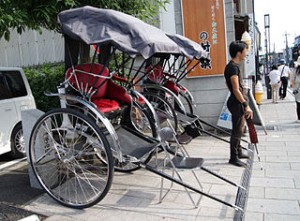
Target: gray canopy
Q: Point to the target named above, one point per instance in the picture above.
(125, 32)
(190, 48)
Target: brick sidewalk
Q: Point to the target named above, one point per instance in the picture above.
(275, 191)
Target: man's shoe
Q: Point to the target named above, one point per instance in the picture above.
(243, 154)
(237, 162)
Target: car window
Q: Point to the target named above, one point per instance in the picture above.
(4, 92)
(15, 83)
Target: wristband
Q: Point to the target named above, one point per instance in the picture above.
(244, 104)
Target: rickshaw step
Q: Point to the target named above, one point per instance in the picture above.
(181, 162)
(182, 138)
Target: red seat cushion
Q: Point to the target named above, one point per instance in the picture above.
(106, 105)
(108, 96)
(84, 82)
(172, 86)
(118, 93)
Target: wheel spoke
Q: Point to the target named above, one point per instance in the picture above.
(71, 158)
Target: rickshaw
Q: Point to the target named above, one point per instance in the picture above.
(165, 81)
(102, 126)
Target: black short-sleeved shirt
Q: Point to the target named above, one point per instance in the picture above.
(232, 69)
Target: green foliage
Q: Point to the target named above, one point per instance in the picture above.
(35, 14)
(42, 79)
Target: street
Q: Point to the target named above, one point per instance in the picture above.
(15, 189)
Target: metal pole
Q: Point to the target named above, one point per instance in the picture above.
(270, 58)
(267, 79)
(267, 44)
(287, 56)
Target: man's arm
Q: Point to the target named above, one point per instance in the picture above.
(239, 96)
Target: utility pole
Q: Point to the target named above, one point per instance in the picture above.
(287, 54)
(268, 62)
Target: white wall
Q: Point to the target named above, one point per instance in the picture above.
(31, 48)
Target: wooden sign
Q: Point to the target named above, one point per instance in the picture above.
(204, 23)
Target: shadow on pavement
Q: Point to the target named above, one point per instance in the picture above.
(15, 192)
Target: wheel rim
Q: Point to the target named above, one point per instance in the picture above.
(20, 142)
(164, 111)
(141, 122)
(67, 158)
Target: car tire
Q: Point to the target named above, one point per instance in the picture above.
(17, 142)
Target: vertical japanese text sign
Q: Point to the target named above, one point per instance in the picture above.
(204, 23)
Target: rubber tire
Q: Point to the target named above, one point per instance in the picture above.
(15, 153)
(149, 95)
(107, 149)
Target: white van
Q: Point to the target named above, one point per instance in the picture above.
(15, 96)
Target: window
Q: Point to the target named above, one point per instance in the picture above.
(13, 82)
(4, 92)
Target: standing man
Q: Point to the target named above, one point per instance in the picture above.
(284, 77)
(237, 103)
(275, 82)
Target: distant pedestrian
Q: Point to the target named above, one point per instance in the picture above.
(295, 85)
(275, 82)
(237, 103)
(284, 73)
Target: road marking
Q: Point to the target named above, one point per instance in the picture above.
(11, 163)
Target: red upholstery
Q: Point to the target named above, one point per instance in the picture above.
(87, 81)
(172, 86)
(106, 105)
(182, 88)
(108, 96)
(117, 93)
(119, 79)
(155, 74)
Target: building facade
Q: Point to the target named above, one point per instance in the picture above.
(210, 92)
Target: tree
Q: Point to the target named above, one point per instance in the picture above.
(37, 14)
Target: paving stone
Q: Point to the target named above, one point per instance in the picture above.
(273, 153)
(293, 145)
(273, 206)
(289, 159)
(295, 166)
(256, 192)
(282, 193)
(297, 182)
(222, 189)
(294, 153)
(216, 214)
(257, 172)
(250, 216)
(285, 217)
(272, 182)
(272, 165)
(282, 173)
(274, 145)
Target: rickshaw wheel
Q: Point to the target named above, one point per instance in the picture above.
(67, 150)
(164, 110)
(185, 99)
(124, 167)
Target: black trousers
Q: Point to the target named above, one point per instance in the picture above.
(282, 90)
(298, 110)
(238, 121)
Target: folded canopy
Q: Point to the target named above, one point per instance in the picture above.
(127, 33)
(190, 48)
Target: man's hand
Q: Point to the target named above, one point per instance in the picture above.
(248, 113)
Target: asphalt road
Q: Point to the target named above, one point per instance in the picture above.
(15, 190)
